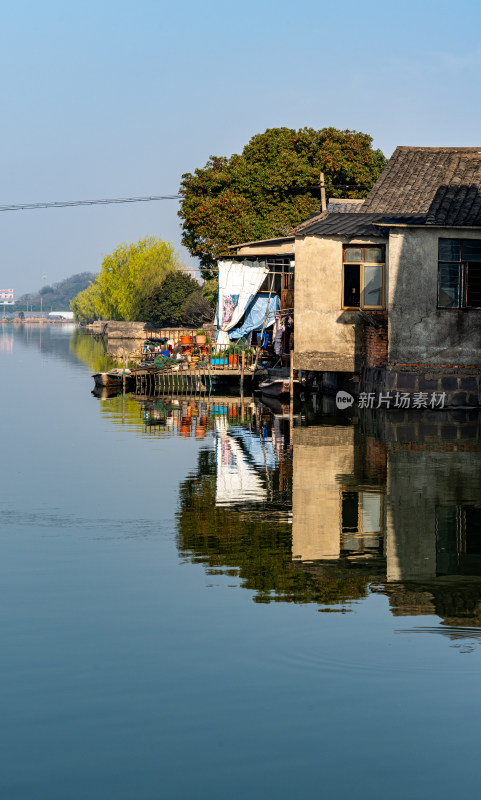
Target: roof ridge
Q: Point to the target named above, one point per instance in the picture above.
(441, 149)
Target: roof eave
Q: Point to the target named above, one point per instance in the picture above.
(263, 241)
(424, 225)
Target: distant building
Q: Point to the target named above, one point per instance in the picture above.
(6, 297)
(61, 315)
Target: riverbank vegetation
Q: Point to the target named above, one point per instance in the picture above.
(147, 282)
(126, 277)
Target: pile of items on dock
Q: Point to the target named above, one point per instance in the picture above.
(193, 364)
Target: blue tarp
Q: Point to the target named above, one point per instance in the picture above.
(254, 315)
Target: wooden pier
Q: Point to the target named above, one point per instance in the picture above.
(194, 381)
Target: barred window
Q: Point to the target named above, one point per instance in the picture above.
(459, 273)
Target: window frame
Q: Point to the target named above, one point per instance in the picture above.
(463, 273)
(362, 264)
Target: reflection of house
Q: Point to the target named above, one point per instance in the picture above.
(335, 511)
(407, 516)
(395, 281)
(434, 516)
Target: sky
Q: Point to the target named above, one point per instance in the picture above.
(113, 98)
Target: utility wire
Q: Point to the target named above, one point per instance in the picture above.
(118, 200)
(105, 202)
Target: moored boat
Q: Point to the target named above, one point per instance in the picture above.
(278, 387)
(114, 377)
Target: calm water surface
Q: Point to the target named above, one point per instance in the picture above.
(202, 600)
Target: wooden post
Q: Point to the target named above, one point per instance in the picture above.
(264, 322)
(123, 373)
(323, 193)
(243, 361)
(210, 350)
(291, 396)
(291, 376)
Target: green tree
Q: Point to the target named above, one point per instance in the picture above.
(197, 310)
(164, 305)
(127, 277)
(271, 186)
(87, 306)
(210, 291)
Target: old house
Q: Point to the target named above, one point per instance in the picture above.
(388, 291)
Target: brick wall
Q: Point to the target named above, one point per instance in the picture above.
(375, 339)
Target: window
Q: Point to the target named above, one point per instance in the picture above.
(362, 515)
(363, 276)
(458, 540)
(459, 273)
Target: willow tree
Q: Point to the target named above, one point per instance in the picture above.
(272, 186)
(127, 277)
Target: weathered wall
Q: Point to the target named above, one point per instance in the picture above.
(419, 332)
(375, 340)
(140, 330)
(326, 337)
(125, 330)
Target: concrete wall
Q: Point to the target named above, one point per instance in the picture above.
(275, 248)
(326, 337)
(419, 332)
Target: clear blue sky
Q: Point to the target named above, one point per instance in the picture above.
(114, 99)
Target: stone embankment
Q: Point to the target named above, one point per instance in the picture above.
(141, 330)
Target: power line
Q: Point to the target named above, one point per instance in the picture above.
(104, 202)
(117, 200)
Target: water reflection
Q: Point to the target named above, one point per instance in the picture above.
(49, 338)
(329, 511)
(92, 350)
(345, 509)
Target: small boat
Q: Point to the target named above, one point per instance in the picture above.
(278, 387)
(114, 377)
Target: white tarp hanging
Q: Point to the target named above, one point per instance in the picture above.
(238, 283)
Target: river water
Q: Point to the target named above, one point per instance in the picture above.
(206, 599)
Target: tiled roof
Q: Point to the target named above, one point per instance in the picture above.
(341, 205)
(316, 217)
(356, 224)
(440, 183)
(350, 224)
(335, 205)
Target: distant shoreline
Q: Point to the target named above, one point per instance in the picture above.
(36, 321)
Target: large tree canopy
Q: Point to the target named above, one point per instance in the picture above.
(272, 186)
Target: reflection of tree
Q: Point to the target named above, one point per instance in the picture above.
(455, 600)
(123, 410)
(259, 550)
(91, 351)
